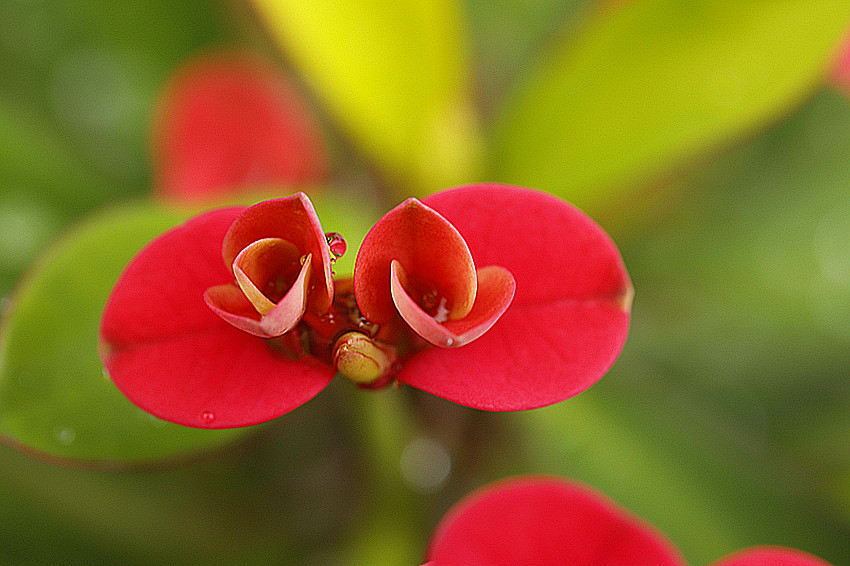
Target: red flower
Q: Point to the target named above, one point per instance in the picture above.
(548, 521)
(841, 70)
(228, 121)
(211, 343)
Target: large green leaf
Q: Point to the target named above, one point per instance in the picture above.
(396, 76)
(54, 397)
(649, 83)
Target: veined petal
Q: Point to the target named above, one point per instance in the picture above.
(433, 254)
(292, 219)
(172, 356)
(496, 288)
(569, 317)
(221, 378)
(546, 522)
(227, 121)
(771, 556)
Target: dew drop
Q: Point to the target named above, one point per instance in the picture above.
(449, 341)
(64, 435)
(337, 245)
(207, 417)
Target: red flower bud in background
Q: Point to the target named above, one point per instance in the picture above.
(549, 521)
(234, 319)
(227, 122)
(841, 71)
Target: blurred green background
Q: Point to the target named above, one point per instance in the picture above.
(705, 136)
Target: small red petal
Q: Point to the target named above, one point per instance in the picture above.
(546, 522)
(294, 220)
(432, 253)
(496, 288)
(172, 356)
(569, 317)
(228, 121)
(771, 556)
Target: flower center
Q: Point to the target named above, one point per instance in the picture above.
(434, 304)
(265, 271)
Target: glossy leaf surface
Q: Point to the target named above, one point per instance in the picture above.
(396, 74)
(54, 396)
(652, 82)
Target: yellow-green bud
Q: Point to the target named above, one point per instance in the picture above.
(361, 359)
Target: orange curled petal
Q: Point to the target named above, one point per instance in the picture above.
(260, 264)
(289, 310)
(294, 220)
(432, 252)
(496, 287)
(230, 303)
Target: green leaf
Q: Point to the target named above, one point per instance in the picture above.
(54, 397)
(395, 74)
(682, 475)
(648, 84)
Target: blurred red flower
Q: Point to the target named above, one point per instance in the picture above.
(549, 521)
(229, 121)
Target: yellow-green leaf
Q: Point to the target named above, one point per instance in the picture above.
(653, 81)
(396, 75)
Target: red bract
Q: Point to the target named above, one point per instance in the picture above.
(569, 317)
(227, 122)
(175, 358)
(549, 521)
(233, 318)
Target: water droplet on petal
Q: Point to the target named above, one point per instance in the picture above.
(207, 417)
(337, 245)
(64, 435)
(449, 341)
